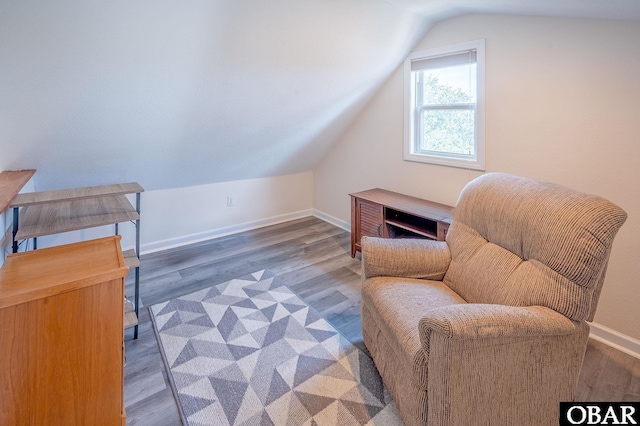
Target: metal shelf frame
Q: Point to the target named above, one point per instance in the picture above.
(51, 212)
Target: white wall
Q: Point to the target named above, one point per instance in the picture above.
(178, 216)
(562, 105)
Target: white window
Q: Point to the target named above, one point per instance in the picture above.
(444, 106)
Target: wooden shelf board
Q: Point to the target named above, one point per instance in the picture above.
(131, 259)
(130, 319)
(11, 182)
(413, 229)
(44, 197)
(64, 216)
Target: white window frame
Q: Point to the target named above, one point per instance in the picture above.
(411, 152)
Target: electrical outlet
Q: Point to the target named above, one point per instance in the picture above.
(230, 201)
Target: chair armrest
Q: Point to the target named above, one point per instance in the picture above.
(480, 321)
(491, 363)
(409, 258)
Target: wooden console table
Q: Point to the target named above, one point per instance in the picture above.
(61, 328)
(36, 214)
(381, 213)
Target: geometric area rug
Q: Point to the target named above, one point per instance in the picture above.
(251, 352)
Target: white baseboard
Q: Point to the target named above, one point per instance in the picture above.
(616, 340)
(221, 232)
(332, 220)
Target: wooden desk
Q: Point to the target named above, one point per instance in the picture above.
(381, 213)
(61, 334)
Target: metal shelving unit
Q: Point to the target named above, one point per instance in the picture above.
(42, 213)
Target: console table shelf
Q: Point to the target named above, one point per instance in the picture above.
(37, 220)
(381, 213)
(412, 230)
(43, 213)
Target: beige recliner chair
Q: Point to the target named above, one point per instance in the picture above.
(488, 328)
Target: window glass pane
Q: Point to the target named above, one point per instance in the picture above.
(449, 85)
(448, 131)
(444, 105)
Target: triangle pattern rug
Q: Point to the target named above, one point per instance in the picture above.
(251, 352)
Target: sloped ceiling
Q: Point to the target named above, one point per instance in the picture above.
(595, 9)
(173, 94)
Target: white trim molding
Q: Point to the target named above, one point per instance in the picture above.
(615, 339)
(332, 220)
(221, 232)
(425, 60)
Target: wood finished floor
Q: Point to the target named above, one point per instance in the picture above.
(312, 257)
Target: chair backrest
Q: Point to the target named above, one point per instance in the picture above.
(521, 242)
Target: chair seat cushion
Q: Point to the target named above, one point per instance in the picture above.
(396, 305)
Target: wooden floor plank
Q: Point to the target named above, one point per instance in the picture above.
(633, 391)
(313, 258)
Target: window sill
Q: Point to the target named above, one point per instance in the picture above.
(446, 161)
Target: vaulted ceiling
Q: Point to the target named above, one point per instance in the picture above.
(595, 9)
(174, 94)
